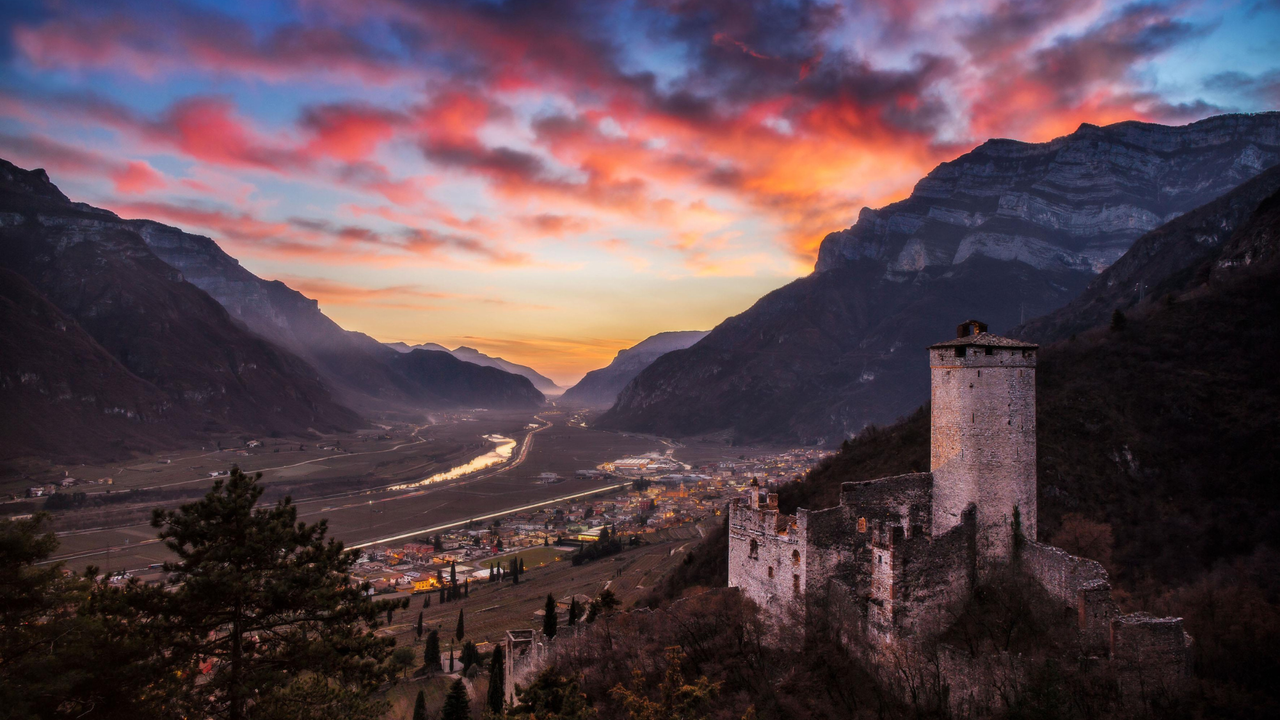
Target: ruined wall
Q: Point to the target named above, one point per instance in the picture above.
(1151, 655)
(938, 575)
(905, 500)
(767, 556)
(524, 656)
(1061, 573)
(983, 442)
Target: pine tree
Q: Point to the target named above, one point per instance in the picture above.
(459, 633)
(456, 704)
(497, 681)
(419, 628)
(431, 654)
(277, 591)
(549, 618)
(1118, 321)
(420, 707)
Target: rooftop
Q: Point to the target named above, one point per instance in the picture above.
(984, 339)
(974, 332)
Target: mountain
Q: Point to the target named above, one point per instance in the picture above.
(364, 373)
(1007, 231)
(1159, 262)
(405, 347)
(600, 388)
(65, 395)
(471, 355)
(188, 366)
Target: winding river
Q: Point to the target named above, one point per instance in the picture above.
(499, 454)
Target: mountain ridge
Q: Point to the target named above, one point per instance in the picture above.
(365, 373)
(600, 388)
(215, 375)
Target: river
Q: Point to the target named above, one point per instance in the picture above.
(499, 454)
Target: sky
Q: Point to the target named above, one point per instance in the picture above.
(554, 181)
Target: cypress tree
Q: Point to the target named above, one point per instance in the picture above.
(426, 601)
(453, 574)
(419, 628)
(466, 588)
(390, 612)
(450, 656)
(456, 704)
(459, 633)
(442, 596)
(497, 681)
(549, 618)
(420, 707)
(431, 654)
(575, 611)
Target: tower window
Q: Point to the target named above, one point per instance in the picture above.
(862, 524)
(960, 351)
(770, 571)
(988, 350)
(755, 550)
(795, 557)
(795, 584)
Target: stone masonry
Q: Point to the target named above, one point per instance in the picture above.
(890, 563)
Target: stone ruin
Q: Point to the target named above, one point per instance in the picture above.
(890, 563)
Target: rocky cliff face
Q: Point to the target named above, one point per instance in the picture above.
(1074, 203)
(165, 333)
(365, 373)
(1004, 233)
(1169, 260)
(600, 388)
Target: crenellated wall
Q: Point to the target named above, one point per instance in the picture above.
(767, 555)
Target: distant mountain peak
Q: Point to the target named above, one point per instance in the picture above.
(600, 388)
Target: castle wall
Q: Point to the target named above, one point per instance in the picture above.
(983, 442)
(904, 500)
(1061, 573)
(938, 576)
(1151, 655)
(767, 557)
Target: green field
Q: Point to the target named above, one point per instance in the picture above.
(532, 557)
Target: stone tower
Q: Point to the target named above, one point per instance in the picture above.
(984, 436)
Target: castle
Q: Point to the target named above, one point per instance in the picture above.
(898, 555)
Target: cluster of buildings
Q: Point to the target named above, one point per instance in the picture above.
(65, 483)
(665, 494)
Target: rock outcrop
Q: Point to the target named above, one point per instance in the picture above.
(600, 388)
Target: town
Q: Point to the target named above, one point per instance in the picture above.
(663, 493)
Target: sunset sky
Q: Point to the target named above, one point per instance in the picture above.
(553, 181)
